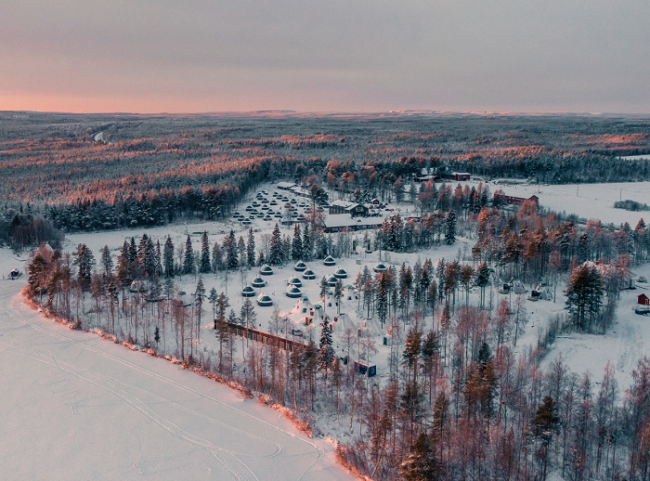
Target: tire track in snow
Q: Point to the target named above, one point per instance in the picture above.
(238, 468)
(199, 441)
(279, 447)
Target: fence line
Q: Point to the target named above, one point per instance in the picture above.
(265, 337)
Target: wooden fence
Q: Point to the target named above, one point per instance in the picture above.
(265, 337)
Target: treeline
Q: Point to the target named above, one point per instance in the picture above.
(631, 205)
(20, 230)
(59, 162)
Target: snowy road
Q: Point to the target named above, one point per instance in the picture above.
(73, 406)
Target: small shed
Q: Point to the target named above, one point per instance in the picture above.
(15, 273)
(643, 300)
(365, 369)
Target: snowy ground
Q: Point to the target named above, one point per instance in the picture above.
(623, 346)
(76, 407)
(589, 201)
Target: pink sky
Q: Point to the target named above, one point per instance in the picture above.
(340, 55)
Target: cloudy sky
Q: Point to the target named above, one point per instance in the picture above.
(328, 55)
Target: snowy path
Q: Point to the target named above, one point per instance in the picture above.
(73, 406)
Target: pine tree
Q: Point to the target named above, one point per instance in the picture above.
(107, 261)
(36, 269)
(247, 315)
(584, 296)
(276, 253)
(213, 300)
(158, 261)
(146, 260)
(85, 261)
(241, 248)
(307, 246)
(188, 259)
(123, 271)
(338, 294)
(545, 426)
(323, 291)
(204, 264)
(296, 246)
(326, 353)
(217, 258)
(250, 249)
(230, 250)
(482, 279)
(168, 257)
(450, 228)
(420, 465)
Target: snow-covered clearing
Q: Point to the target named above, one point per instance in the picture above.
(74, 406)
(623, 346)
(635, 157)
(589, 201)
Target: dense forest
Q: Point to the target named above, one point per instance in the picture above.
(85, 172)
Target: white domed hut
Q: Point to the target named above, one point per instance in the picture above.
(264, 300)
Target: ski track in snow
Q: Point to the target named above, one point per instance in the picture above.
(135, 396)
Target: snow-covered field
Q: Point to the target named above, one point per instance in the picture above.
(73, 406)
(635, 157)
(589, 201)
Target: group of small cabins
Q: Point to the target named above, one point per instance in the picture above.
(294, 189)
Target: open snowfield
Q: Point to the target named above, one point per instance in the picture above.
(74, 406)
(589, 201)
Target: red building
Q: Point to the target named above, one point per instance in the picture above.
(460, 176)
(643, 300)
(511, 200)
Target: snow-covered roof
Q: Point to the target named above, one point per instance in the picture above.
(286, 185)
(344, 220)
(345, 204)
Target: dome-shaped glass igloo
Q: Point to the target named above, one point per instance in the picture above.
(308, 274)
(258, 282)
(380, 268)
(294, 281)
(331, 281)
(248, 291)
(341, 273)
(329, 261)
(264, 300)
(266, 270)
(300, 266)
(293, 291)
